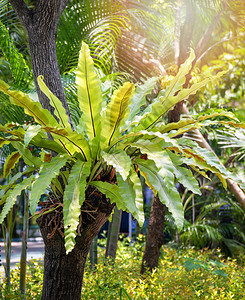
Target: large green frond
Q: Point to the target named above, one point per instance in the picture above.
(10, 163)
(11, 199)
(139, 97)
(73, 199)
(89, 93)
(139, 200)
(111, 191)
(70, 140)
(30, 133)
(29, 159)
(167, 102)
(186, 178)
(34, 109)
(169, 197)
(117, 111)
(120, 161)
(48, 172)
(129, 190)
(59, 110)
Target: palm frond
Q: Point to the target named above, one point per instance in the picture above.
(235, 139)
(9, 112)
(201, 235)
(20, 71)
(98, 23)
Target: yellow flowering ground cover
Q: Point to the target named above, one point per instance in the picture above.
(182, 274)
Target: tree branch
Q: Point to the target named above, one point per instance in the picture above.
(208, 33)
(22, 11)
(50, 10)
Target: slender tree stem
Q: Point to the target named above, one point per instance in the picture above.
(24, 245)
(112, 236)
(93, 253)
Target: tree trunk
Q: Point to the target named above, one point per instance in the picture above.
(41, 25)
(155, 238)
(153, 245)
(112, 236)
(8, 246)
(24, 244)
(186, 35)
(63, 274)
(93, 253)
(7, 229)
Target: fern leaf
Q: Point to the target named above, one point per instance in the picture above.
(71, 141)
(10, 200)
(30, 133)
(169, 197)
(10, 162)
(29, 159)
(48, 171)
(111, 191)
(89, 93)
(34, 109)
(186, 178)
(139, 201)
(139, 97)
(120, 161)
(117, 111)
(59, 110)
(74, 197)
(128, 194)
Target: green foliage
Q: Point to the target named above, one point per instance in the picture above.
(117, 111)
(130, 190)
(218, 220)
(111, 192)
(10, 162)
(186, 178)
(89, 93)
(73, 199)
(20, 70)
(100, 25)
(182, 274)
(109, 149)
(168, 196)
(34, 279)
(11, 198)
(48, 171)
(34, 109)
(59, 110)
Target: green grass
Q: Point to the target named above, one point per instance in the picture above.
(182, 274)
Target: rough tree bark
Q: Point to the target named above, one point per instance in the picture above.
(155, 237)
(63, 274)
(41, 25)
